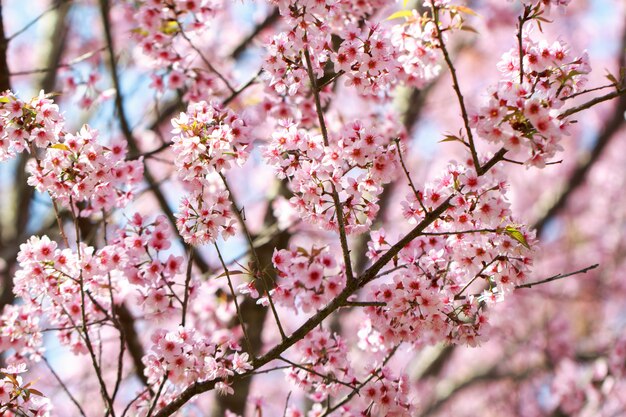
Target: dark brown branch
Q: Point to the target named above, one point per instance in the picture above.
(610, 96)
(5, 80)
(185, 302)
(557, 277)
(351, 287)
(365, 304)
(119, 104)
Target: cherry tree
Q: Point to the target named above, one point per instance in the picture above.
(312, 208)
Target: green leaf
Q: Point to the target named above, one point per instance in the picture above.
(468, 28)
(450, 138)
(12, 379)
(401, 13)
(514, 233)
(4, 99)
(34, 391)
(611, 78)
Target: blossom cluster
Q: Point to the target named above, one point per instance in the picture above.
(368, 59)
(416, 42)
(208, 140)
(355, 164)
(204, 215)
(138, 253)
(81, 170)
(20, 333)
(35, 122)
(185, 356)
(522, 113)
(70, 286)
(325, 371)
(322, 354)
(468, 258)
(76, 287)
(163, 31)
(307, 280)
(372, 57)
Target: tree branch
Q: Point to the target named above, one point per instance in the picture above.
(557, 277)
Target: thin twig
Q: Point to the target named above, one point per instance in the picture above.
(255, 256)
(155, 400)
(408, 177)
(234, 295)
(129, 405)
(314, 372)
(187, 282)
(58, 4)
(205, 60)
(83, 311)
(589, 90)
(557, 277)
(457, 89)
(286, 404)
(521, 20)
(365, 304)
(116, 322)
(67, 391)
(225, 102)
(338, 206)
(60, 65)
(361, 385)
(591, 103)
